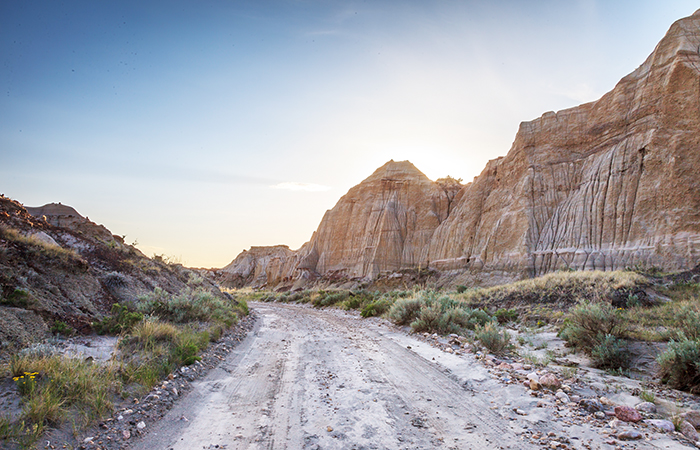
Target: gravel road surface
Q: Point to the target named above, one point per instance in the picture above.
(327, 379)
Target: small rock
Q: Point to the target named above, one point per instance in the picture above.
(527, 367)
(126, 434)
(606, 401)
(688, 430)
(646, 407)
(504, 366)
(554, 444)
(534, 385)
(629, 435)
(615, 423)
(519, 412)
(329, 429)
(141, 425)
(591, 405)
(533, 376)
(88, 440)
(562, 397)
(549, 380)
(600, 415)
(627, 414)
(517, 366)
(665, 425)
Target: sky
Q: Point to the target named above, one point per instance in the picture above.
(197, 129)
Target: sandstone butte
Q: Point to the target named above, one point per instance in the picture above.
(604, 185)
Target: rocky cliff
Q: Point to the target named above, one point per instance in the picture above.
(56, 265)
(604, 185)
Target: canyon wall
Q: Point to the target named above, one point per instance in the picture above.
(605, 185)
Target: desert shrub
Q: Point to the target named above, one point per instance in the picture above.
(610, 353)
(428, 318)
(62, 328)
(330, 298)
(121, 319)
(198, 305)
(506, 315)
(589, 323)
(19, 298)
(680, 365)
(478, 317)
(405, 310)
(376, 308)
(426, 312)
(687, 319)
(361, 298)
(461, 288)
(242, 306)
(493, 337)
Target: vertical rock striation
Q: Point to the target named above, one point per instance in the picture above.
(604, 185)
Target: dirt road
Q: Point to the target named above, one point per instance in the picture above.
(326, 379)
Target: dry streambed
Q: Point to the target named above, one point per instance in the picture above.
(327, 379)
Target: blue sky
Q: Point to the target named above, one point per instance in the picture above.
(202, 128)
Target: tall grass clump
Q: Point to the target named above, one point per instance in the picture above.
(54, 387)
(155, 348)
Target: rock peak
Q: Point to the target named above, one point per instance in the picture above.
(397, 170)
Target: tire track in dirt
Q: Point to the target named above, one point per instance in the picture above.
(315, 379)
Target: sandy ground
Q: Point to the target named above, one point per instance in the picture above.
(327, 379)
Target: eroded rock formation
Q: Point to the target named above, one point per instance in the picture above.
(604, 185)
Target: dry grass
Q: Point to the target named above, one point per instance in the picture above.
(39, 246)
(54, 387)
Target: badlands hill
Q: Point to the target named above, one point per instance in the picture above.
(56, 265)
(605, 185)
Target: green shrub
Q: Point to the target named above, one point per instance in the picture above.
(198, 305)
(478, 317)
(330, 298)
(461, 288)
(428, 319)
(405, 310)
(589, 323)
(610, 353)
(62, 328)
(120, 320)
(687, 319)
(493, 337)
(376, 308)
(19, 298)
(506, 315)
(680, 365)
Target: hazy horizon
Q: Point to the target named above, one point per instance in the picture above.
(202, 129)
